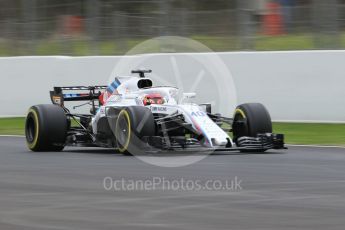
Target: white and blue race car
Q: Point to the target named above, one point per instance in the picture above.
(133, 117)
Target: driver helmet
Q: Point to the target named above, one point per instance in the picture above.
(153, 98)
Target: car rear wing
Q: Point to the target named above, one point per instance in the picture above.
(75, 93)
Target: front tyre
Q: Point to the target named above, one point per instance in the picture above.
(46, 128)
(250, 120)
(132, 124)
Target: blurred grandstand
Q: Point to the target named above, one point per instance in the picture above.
(111, 27)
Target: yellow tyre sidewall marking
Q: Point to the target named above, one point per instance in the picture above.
(240, 111)
(34, 142)
(125, 146)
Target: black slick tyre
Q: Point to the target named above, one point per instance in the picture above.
(251, 119)
(132, 124)
(46, 128)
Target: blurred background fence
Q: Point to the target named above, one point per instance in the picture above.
(112, 27)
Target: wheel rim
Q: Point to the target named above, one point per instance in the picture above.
(30, 129)
(123, 131)
(240, 126)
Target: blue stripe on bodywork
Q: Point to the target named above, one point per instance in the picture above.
(114, 84)
(117, 81)
(71, 95)
(110, 89)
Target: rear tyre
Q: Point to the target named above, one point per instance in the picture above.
(132, 124)
(46, 128)
(250, 120)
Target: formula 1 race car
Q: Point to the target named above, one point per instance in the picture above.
(133, 117)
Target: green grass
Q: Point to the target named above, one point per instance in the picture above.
(285, 42)
(12, 126)
(81, 46)
(295, 133)
(322, 134)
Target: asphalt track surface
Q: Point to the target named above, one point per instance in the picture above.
(299, 188)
